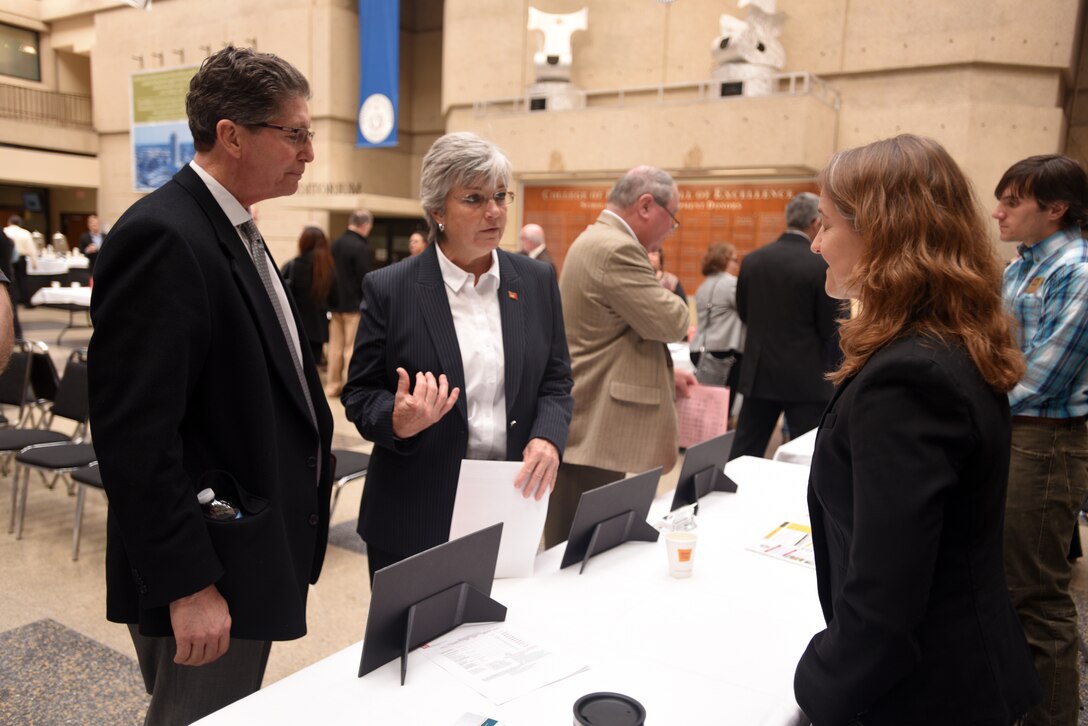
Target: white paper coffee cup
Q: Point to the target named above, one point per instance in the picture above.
(680, 547)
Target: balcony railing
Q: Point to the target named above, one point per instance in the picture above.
(45, 107)
(783, 84)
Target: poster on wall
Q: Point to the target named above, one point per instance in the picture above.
(161, 142)
(746, 214)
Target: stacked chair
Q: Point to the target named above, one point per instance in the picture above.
(14, 385)
(53, 453)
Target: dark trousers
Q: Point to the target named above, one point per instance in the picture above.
(182, 694)
(1047, 483)
(571, 481)
(758, 417)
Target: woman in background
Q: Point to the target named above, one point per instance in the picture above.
(668, 280)
(310, 277)
(720, 332)
(907, 487)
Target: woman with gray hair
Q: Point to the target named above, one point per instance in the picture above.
(461, 355)
(719, 338)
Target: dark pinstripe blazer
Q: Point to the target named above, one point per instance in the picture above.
(408, 500)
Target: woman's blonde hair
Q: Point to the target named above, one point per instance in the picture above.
(927, 265)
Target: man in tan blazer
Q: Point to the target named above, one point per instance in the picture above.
(618, 319)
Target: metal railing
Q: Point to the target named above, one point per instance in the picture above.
(782, 84)
(45, 107)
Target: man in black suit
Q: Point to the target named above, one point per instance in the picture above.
(792, 334)
(224, 394)
(91, 241)
(351, 259)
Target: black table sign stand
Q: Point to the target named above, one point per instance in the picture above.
(444, 611)
(616, 530)
(712, 479)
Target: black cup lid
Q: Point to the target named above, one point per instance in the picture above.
(609, 709)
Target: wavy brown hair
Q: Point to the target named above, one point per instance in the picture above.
(927, 265)
(314, 239)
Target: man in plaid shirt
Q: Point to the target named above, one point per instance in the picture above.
(1042, 204)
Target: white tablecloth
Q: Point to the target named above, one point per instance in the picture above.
(719, 648)
(56, 265)
(797, 451)
(62, 296)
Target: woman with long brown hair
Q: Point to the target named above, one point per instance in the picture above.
(907, 487)
(310, 277)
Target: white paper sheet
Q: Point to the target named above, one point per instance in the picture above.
(497, 662)
(485, 496)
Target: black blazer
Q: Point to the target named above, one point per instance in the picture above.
(351, 261)
(299, 275)
(907, 500)
(85, 241)
(410, 486)
(192, 385)
(792, 330)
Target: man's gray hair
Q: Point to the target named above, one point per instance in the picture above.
(801, 210)
(642, 180)
(240, 85)
(458, 158)
(360, 218)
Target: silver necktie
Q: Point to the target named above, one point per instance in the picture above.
(260, 260)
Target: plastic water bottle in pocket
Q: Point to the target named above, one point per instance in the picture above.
(218, 509)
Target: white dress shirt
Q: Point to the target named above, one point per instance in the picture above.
(478, 324)
(239, 215)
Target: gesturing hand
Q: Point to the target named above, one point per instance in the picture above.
(541, 463)
(201, 624)
(430, 401)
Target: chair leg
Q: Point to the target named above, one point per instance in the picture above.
(336, 487)
(14, 502)
(22, 500)
(81, 492)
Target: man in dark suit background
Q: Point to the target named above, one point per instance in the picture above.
(224, 395)
(792, 334)
(90, 242)
(351, 258)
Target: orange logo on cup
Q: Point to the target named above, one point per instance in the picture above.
(683, 555)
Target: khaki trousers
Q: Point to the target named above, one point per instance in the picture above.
(342, 328)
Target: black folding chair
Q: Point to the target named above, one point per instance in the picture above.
(87, 476)
(15, 384)
(71, 403)
(350, 465)
(43, 380)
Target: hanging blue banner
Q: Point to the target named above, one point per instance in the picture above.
(379, 73)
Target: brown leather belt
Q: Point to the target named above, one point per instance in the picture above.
(1072, 424)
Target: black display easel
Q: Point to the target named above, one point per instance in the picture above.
(442, 612)
(703, 471)
(626, 527)
(428, 594)
(611, 515)
(711, 479)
